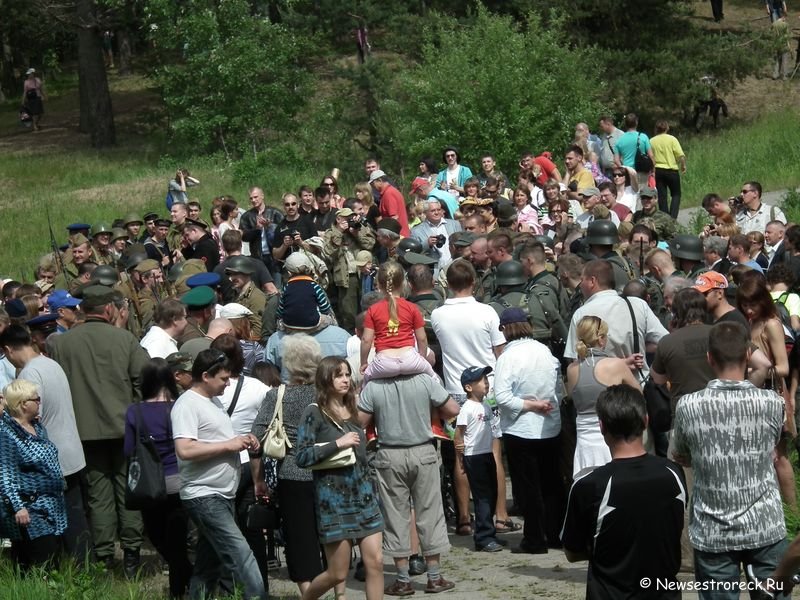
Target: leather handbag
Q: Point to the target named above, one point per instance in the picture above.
(275, 441)
(263, 515)
(343, 458)
(145, 486)
(642, 161)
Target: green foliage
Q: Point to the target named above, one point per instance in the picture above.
(240, 80)
(698, 220)
(491, 86)
(791, 206)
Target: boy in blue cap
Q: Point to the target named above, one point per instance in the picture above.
(473, 444)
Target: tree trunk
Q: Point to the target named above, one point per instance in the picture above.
(92, 74)
(83, 100)
(124, 52)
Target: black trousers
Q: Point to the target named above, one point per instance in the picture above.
(482, 476)
(167, 526)
(303, 553)
(245, 498)
(669, 180)
(716, 9)
(534, 468)
(31, 553)
(78, 536)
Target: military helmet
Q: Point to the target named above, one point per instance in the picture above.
(175, 272)
(602, 233)
(133, 259)
(132, 219)
(105, 275)
(510, 272)
(100, 228)
(240, 264)
(689, 247)
(409, 244)
(545, 240)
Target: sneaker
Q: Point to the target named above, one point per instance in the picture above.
(416, 565)
(131, 561)
(398, 588)
(440, 585)
(490, 547)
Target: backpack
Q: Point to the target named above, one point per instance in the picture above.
(789, 334)
(641, 161)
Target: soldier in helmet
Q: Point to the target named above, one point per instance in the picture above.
(687, 251)
(601, 236)
(510, 283)
(138, 289)
(240, 272)
(533, 257)
(101, 244)
(105, 275)
(133, 225)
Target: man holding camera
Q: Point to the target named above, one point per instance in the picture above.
(433, 233)
(293, 231)
(751, 213)
(343, 240)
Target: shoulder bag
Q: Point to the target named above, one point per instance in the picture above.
(275, 440)
(656, 397)
(239, 384)
(145, 486)
(344, 457)
(642, 162)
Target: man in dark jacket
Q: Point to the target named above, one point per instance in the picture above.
(201, 244)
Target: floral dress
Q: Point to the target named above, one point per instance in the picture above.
(346, 498)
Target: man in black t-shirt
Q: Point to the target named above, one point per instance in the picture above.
(293, 231)
(626, 517)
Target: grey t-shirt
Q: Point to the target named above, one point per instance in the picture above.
(58, 415)
(401, 408)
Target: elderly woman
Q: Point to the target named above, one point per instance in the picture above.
(301, 355)
(33, 513)
(526, 389)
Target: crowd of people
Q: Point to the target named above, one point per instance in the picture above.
(416, 349)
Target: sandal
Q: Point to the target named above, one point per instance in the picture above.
(464, 528)
(507, 526)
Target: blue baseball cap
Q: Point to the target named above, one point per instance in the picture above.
(473, 374)
(62, 299)
(211, 280)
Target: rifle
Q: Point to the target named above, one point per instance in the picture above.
(54, 247)
(136, 306)
(641, 258)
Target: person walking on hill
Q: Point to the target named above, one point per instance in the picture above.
(33, 97)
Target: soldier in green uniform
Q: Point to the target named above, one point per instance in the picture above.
(601, 236)
(662, 223)
(101, 244)
(687, 250)
(80, 252)
(240, 272)
(138, 289)
(200, 301)
(133, 225)
(533, 257)
(179, 214)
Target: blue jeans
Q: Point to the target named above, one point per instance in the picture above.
(725, 566)
(221, 550)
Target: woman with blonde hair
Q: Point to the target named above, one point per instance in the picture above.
(587, 378)
(363, 193)
(33, 513)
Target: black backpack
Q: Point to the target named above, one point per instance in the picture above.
(641, 161)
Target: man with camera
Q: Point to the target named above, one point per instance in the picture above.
(343, 240)
(751, 213)
(291, 234)
(433, 233)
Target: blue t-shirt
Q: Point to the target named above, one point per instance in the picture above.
(626, 147)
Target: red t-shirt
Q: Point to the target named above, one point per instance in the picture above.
(622, 211)
(393, 205)
(400, 336)
(547, 166)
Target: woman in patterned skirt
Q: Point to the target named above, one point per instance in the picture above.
(347, 502)
(32, 512)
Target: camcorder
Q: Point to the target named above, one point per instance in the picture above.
(736, 202)
(354, 222)
(441, 240)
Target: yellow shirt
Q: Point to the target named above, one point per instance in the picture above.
(583, 178)
(666, 151)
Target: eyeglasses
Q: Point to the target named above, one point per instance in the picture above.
(450, 155)
(34, 399)
(554, 211)
(221, 358)
(327, 183)
(746, 191)
(290, 204)
(619, 174)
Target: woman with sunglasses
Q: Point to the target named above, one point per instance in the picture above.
(627, 187)
(33, 513)
(330, 182)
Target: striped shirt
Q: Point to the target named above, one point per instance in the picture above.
(729, 432)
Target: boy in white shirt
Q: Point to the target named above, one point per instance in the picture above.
(473, 443)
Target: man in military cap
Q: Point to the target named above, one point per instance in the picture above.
(80, 252)
(601, 236)
(149, 224)
(232, 245)
(201, 244)
(180, 363)
(662, 223)
(133, 225)
(200, 302)
(687, 250)
(240, 272)
(103, 365)
(506, 215)
(101, 244)
(76, 228)
(139, 290)
(42, 327)
(156, 246)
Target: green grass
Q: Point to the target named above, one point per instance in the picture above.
(765, 150)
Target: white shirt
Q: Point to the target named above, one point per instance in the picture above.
(158, 343)
(467, 331)
(610, 307)
(758, 221)
(250, 399)
(195, 417)
(526, 368)
(477, 418)
(587, 217)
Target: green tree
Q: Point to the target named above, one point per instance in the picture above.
(237, 81)
(493, 86)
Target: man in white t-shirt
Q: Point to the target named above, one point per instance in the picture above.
(209, 464)
(170, 318)
(469, 334)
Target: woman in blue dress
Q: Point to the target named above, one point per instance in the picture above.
(33, 513)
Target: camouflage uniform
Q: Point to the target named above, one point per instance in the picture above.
(663, 224)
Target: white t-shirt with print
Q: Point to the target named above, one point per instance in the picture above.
(477, 417)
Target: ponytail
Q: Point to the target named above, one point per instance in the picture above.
(390, 279)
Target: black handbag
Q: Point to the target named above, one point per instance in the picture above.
(146, 486)
(641, 161)
(263, 515)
